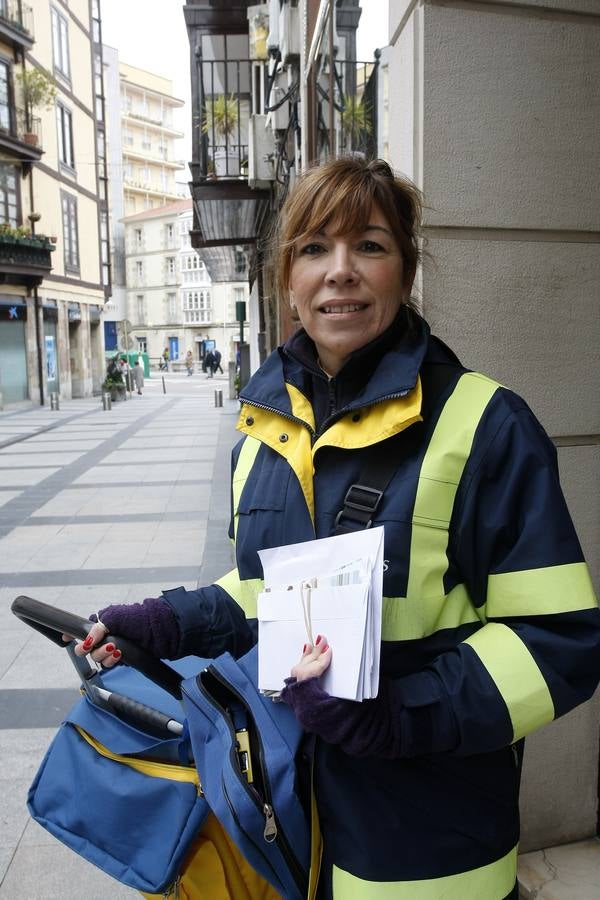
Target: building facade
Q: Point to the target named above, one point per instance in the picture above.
(53, 135)
(141, 158)
(172, 303)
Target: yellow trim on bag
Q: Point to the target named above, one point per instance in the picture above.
(244, 592)
(516, 675)
(441, 471)
(377, 422)
(154, 769)
(531, 592)
(491, 882)
(410, 620)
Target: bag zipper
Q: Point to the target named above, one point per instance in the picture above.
(145, 766)
(271, 833)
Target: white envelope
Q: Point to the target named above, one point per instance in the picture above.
(349, 615)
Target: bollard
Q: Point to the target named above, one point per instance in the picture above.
(164, 388)
(54, 401)
(106, 401)
(219, 397)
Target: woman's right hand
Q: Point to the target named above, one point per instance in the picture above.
(106, 655)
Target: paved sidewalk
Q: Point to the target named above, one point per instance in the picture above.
(95, 506)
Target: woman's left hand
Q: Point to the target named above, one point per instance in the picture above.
(314, 660)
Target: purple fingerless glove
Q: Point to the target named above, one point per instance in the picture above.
(151, 624)
(361, 729)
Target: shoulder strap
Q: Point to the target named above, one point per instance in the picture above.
(362, 499)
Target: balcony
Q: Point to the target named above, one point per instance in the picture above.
(141, 119)
(151, 190)
(20, 137)
(227, 211)
(16, 24)
(24, 260)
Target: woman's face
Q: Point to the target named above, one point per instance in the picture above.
(347, 288)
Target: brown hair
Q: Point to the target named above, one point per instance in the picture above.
(342, 192)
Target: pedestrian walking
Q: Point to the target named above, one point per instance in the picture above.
(490, 624)
(217, 361)
(138, 376)
(189, 362)
(165, 358)
(209, 362)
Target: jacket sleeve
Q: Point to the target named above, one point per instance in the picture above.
(536, 654)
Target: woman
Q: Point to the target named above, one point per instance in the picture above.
(490, 624)
(138, 376)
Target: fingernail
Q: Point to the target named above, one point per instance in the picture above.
(318, 640)
(109, 648)
(88, 642)
(304, 649)
(116, 654)
(325, 648)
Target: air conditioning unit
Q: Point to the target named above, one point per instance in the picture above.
(260, 153)
(289, 32)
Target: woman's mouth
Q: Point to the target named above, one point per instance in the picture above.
(338, 309)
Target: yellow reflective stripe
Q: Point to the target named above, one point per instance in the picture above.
(247, 455)
(269, 427)
(491, 882)
(244, 592)
(409, 620)
(377, 422)
(534, 592)
(516, 675)
(145, 766)
(441, 471)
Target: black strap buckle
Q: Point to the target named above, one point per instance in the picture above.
(362, 500)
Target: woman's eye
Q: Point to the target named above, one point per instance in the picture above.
(311, 249)
(371, 247)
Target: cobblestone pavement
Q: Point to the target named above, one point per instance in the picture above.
(95, 506)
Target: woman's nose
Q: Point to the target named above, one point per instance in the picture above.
(341, 269)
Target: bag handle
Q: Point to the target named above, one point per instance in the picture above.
(53, 622)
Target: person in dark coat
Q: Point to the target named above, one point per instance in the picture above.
(490, 623)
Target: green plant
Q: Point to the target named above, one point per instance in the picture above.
(356, 118)
(38, 90)
(220, 115)
(19, 231)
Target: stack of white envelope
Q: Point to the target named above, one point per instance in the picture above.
(331, 587)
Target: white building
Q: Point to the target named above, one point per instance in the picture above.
(171, 302)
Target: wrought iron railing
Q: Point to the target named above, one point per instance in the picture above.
(229, 92)
(17, 14)
(24, 253)
(354, 105)
(17, 124)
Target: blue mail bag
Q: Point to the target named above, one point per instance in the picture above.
(119, 797)
(246, 751)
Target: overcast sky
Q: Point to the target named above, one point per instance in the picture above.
(151, 34)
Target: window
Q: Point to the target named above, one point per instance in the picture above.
(169, 233)
(64, 125)
(70, 232)
(140, 308)
(9, 211)
(60, 44)
(197, 306)
(4, 96)
(142, 344)
(139, 269)
(172, 306)
(105, 248)
(138, 237)
(171, 265)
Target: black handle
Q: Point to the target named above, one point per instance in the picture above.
(143, 716)
(53, 623)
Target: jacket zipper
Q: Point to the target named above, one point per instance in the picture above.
(278, 412)
(271, 833)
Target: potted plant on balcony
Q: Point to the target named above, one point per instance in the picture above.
(220, 120)
(38, 91)
(356, 122)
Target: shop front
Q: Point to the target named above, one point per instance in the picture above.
(14, 386)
